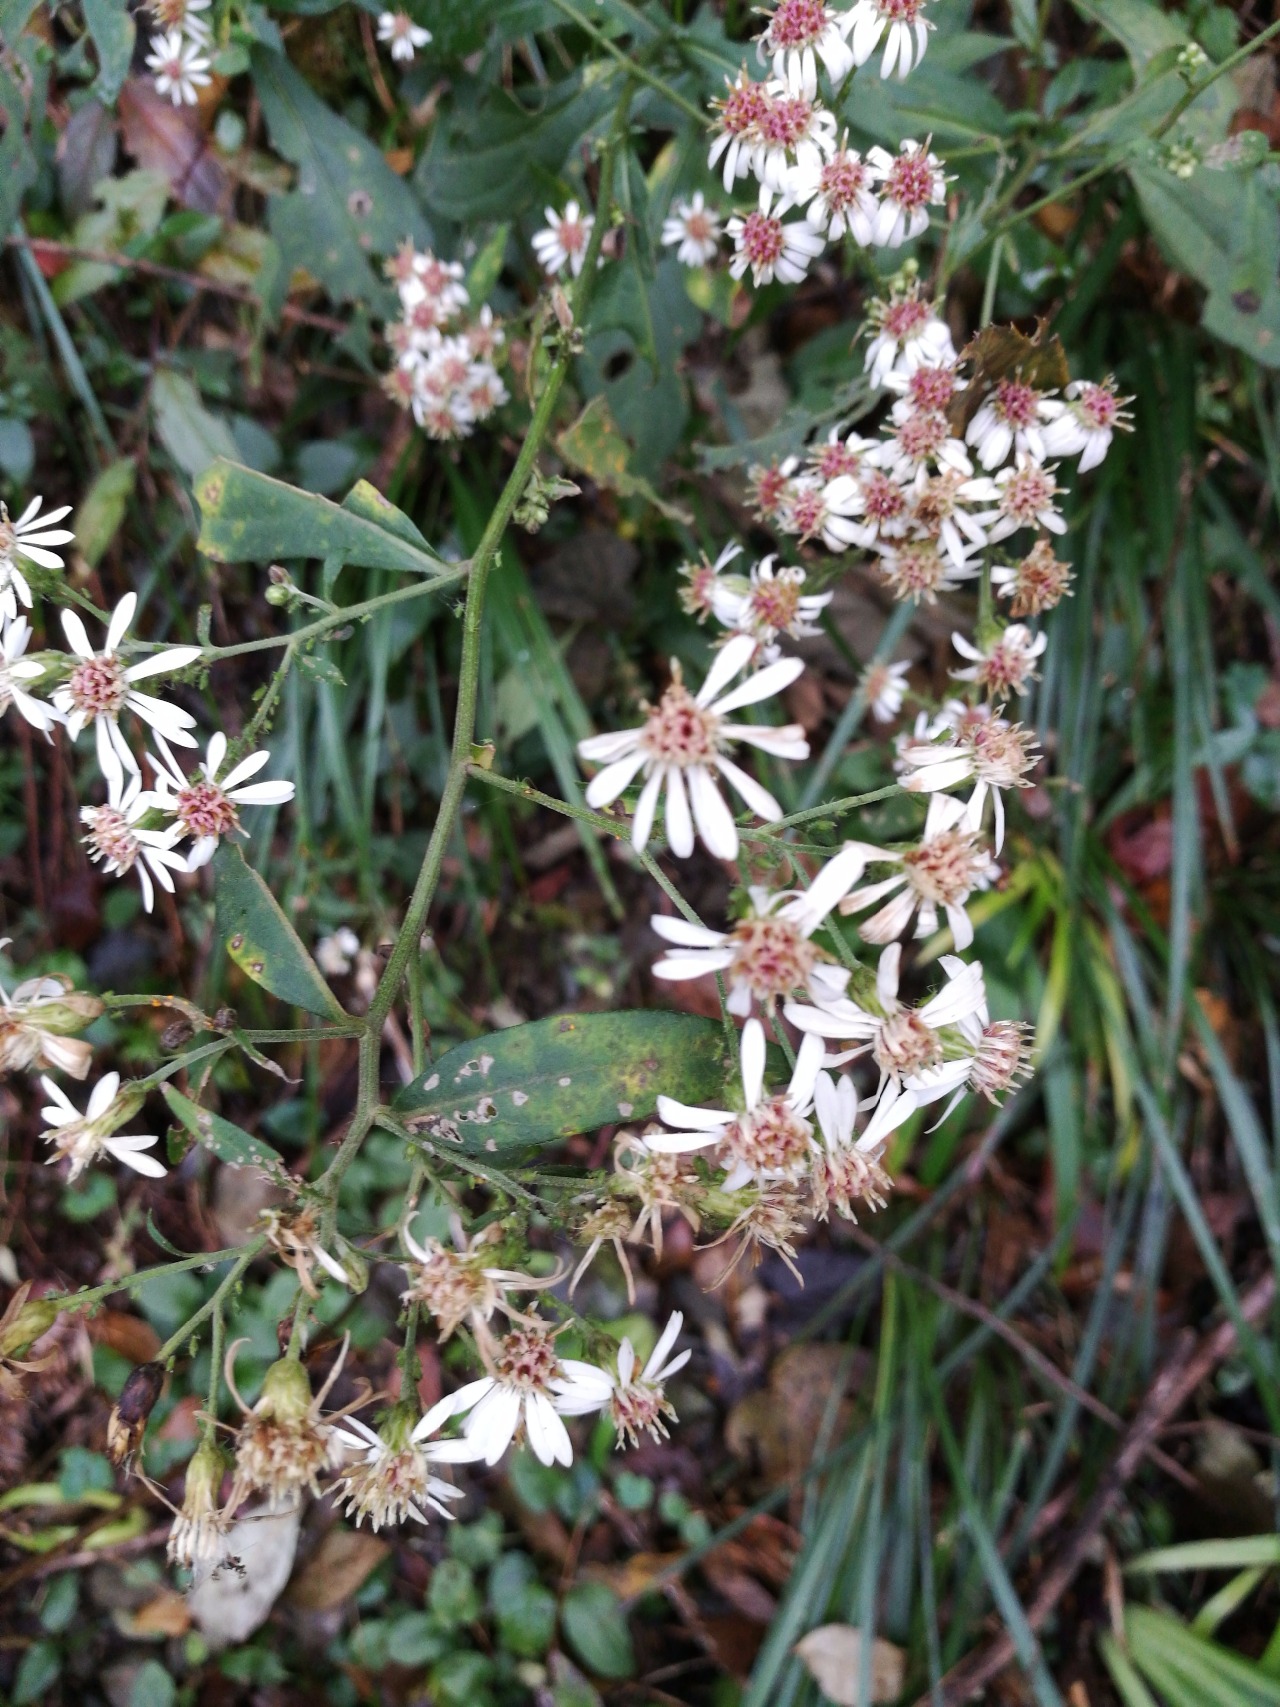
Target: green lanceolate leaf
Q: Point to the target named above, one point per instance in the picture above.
(223, 1139)
(534, 1084)
(262, 942)
(246, 517)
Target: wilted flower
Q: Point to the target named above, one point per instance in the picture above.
(25, 1320)
(684, 742)
(205, 807)
(1034, 585)
(181, 70)
(201, 1525)
(29, 537)
(848, 1172)
(659, 1183)
(564, 241)
(393, 1480)
(296, 1238)
(462, 1284)
(635, 1400)
(84, 1137)
(692, 229)
(997, 754)
(768, 953)
(402, 34)
(38, 1022)
(284, 1444)
(101, 686)
(114, 837)
(129, 1416)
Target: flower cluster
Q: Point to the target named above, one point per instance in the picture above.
(445, 364)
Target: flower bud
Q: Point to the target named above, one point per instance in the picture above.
(30, 1322)
(286, 1393)
(128, 1421)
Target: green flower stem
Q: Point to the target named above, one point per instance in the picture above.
(1223, 69)
(338, 619)
(127, 1282)
(632, 66)
(212, 1305)
(407, 940)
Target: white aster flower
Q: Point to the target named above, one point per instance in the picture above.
(908, 336)
(521, 1394)
(635, 1400)
(84, 1137)
(1000, 1058)
(334, 953)
(692, 229)
(1027, 494)
(941, 504)
(943, 871)
(1006, 665)
(771, 1137)
(866, 507)
(836, 194)
(181, 69)
(737, 127)
(899, 24)
(848, 1170)
(15, 669)
(919, 569)
(911, 182)
(799, 34)
(1085, 423)
(404, 36)
(392, 1478)
(30, 537)
(884, 687)
(1012, 418)
(768, 953)
(564, 240)
(836, 456)
(685, 741)
(769, 246)
(902, 1040)
(793, 132)
(205, 807)
(101, 686)
(462, 1284)
(996, 754)
(114, 837)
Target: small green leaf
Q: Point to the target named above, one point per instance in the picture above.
(249, 518)
(533, 1084)
(595, 1627)
(527, 1621)
(192, 435)
(101, 511)
(487, 266)
(227, 1142)
(37, 1674)
(262, 942)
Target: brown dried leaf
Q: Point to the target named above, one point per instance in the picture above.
(128, 1335)
(168, 139)
(166, 1615)
(832, 1654)
(337, 1569)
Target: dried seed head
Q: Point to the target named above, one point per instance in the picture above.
(201, 1526)
(128, 1421)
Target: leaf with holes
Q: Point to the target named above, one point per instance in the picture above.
(246, 517)
(228, 1142)
(262, 942)
(536, 1083)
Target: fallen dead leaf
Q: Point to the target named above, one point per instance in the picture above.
(167, 1615)
(832, 1654)
(127, 1335)
(337, 1568)
(234, 1592)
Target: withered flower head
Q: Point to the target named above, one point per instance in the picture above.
(128, 1421)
